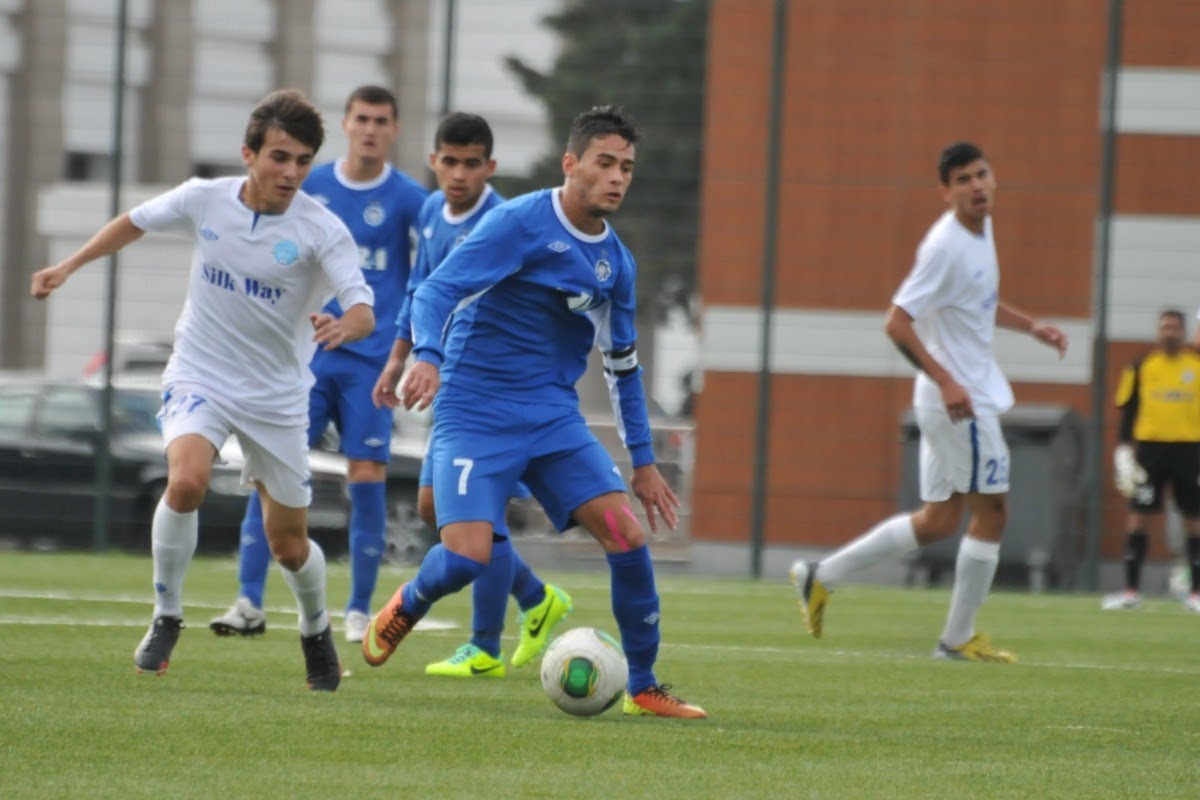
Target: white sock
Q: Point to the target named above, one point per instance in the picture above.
(974, 570)
(172, 543)
(308, 584)
(889, 539)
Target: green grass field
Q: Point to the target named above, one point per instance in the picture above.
(1101, 705)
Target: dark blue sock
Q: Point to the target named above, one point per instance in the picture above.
(489, 597)
(635, 606)
(442, 572)
(254, 554)
(368, 518)
(527, 587)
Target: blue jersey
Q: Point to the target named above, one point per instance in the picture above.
(379, 214)
(531, 295)
(439, 232)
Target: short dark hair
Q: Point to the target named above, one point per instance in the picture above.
(462, 129)
(1173, 312)
(289, 111)
(601, 121)
(373, 96)
(955, 155)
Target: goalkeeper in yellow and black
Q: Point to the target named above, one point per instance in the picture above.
(1159, 398)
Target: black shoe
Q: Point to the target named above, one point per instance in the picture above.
(154, 653)
(321, 661)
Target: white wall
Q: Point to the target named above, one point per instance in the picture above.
(87, 100)
(232, 71)
(152, 277)
(486, 32)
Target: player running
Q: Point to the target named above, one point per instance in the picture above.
(535, 286)
(960, 392)
(379, 205)
(265, 257)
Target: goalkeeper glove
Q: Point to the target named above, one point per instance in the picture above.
(1127, 472)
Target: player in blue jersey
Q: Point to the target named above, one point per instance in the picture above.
(462, 162)
(379, 205)
(538, 282)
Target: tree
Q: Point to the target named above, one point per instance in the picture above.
(649, 56)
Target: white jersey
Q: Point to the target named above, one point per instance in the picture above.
(952, 293)
(244, 335)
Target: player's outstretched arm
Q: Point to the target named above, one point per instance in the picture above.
(384, 393)
(331, 332)
(656, 496)
(108, 240)
(1014, 319)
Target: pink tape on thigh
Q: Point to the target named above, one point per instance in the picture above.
(610, 519)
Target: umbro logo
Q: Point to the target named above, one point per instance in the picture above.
(373, 442)
(651, 619)
(559, 247)
(209, 234)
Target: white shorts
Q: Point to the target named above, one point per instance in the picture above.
(275, 455)
(965, 457)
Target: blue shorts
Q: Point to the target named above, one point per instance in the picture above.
(498, 528)
(520, 493)
(482, 447)
(342, 395)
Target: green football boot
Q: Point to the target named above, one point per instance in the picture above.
(538, 622)
(468, 662)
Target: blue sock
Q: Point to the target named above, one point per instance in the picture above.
(254, 554)
(527, 587)
(368, 519)
(635, 606)
(489, 601)
(442, 572)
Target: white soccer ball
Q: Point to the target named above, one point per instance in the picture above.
(584, 672)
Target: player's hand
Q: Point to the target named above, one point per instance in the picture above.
(957, 401)
(420, 385)
(45, 281)
(1128, 474)
(384, 393)
(327, 330)
(652, 489)
(1052, 336)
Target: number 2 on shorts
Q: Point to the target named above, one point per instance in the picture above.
(466, 464)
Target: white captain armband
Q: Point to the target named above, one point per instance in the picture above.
(621, 362)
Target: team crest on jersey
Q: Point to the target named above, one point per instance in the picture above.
(320, 198)
(373, 214)
(462, 236)
(1188, 376)
(603, 270)
(285, 253)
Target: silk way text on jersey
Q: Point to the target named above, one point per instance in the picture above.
(251, 287)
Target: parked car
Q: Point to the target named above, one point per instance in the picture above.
(49, 431)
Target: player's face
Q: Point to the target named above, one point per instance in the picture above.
(275, 171)
(600, 177)
(462, 171)
(1170, 333)
(969, 191)
(370, 130)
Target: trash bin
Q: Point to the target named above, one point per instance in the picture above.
(1044, 538)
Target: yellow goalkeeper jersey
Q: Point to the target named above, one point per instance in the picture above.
(1159, 395)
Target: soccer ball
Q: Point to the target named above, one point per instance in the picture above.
(584, 672)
